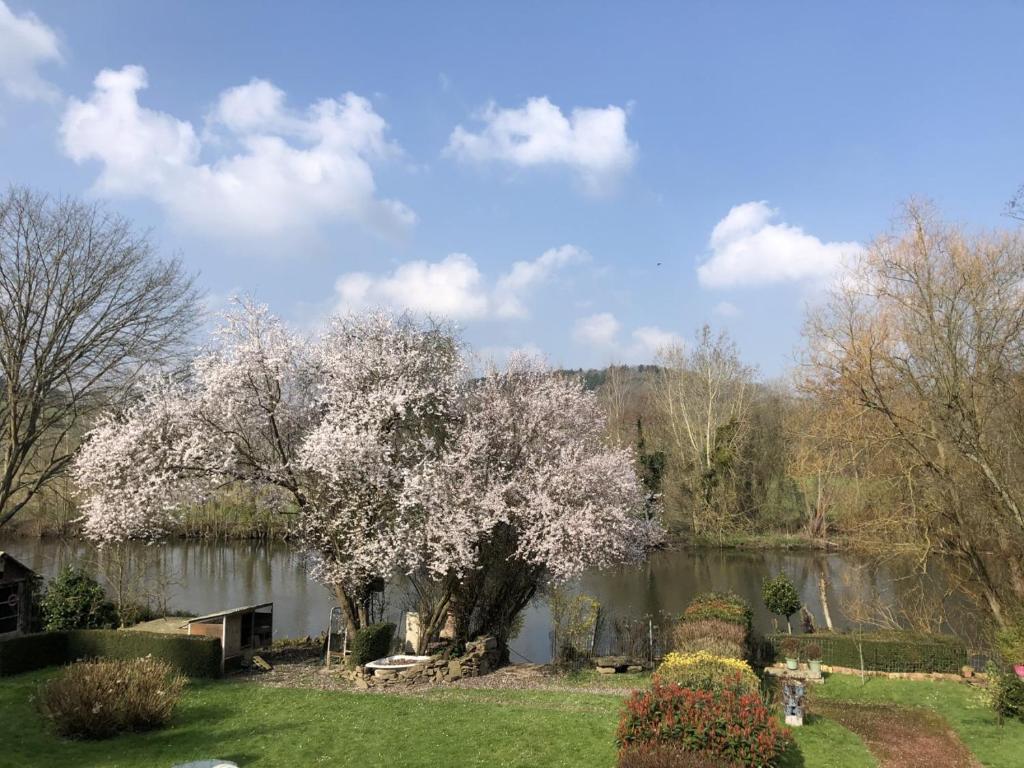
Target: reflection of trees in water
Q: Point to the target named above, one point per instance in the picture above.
(215, 575)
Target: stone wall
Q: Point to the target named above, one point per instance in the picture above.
(481, 657)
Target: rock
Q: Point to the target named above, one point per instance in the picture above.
(206, 764)
(361, 684)
(489, 643)
(634, 668)
(611, 661)
(384, 674)
(606, 670)
(454, 669)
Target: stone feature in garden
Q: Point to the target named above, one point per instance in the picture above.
(481, 657)
(610, 665)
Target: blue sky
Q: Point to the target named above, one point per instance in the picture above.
(590, 180)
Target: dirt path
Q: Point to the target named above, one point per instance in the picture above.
(901, 737)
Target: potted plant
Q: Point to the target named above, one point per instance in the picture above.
(1011, 645)
(791, 652)
(813, 651)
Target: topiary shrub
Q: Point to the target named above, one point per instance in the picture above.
(707, 672)
(723, 606)
(781, 597)
(75, 600)
(722, 638)
(98, 699)
(667, 756)
(737, 730)
(370, 643)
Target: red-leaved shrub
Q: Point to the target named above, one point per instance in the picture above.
(738, 730)
(667, 756)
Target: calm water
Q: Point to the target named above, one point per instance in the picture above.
(204, 577)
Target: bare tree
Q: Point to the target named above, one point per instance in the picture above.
(704, 399)
(85, 306)
(927, 334)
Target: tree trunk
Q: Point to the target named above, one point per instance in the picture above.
(822, 590)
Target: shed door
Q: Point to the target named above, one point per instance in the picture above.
(9, 605)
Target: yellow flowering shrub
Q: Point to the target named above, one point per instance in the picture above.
(708, 672)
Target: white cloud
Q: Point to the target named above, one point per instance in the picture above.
(290, 170)
(451, 288)
(26, 43)
(454, 287)
(727, 309)
(749, 248)
(525, 275)
(602, 331)
(591, 142)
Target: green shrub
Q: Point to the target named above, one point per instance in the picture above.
(30, 652)
(371, 643)
(192, 656)
(723, 606)
(1010, 642)
(1005, 692)
(75, 600)
(98, 699)
(736, 730)
(707, 672)
(889, 651)
(722, 638)
(780, 596)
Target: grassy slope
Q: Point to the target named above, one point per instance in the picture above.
(963, 708)
(258, 726)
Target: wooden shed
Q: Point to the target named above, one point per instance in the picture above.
(16, 584)
(241, 630)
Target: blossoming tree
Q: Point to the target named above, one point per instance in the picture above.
(395, 461)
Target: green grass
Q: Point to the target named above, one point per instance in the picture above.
(261, 726)
(998, 746)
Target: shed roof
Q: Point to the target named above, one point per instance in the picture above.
(229, 612)
(7, 559)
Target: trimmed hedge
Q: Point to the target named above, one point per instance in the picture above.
(721, 606)
(192, 656)
(884, 651)
(372, 642)
(30, 652)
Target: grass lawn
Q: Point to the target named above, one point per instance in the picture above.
(962, 707)
(255, 725)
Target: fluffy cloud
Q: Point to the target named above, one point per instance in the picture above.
(602, 331)
(289, 171)
(26, 43)
(525, 275)
(454, 287)
(591, 142)
(748, 247)
(450, 288)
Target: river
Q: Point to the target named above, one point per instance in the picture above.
(203, 577)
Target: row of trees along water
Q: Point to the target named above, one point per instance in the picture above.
(900, 428)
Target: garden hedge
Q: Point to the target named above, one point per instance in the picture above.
(884, 651)
(372, 642)
(192, 656)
